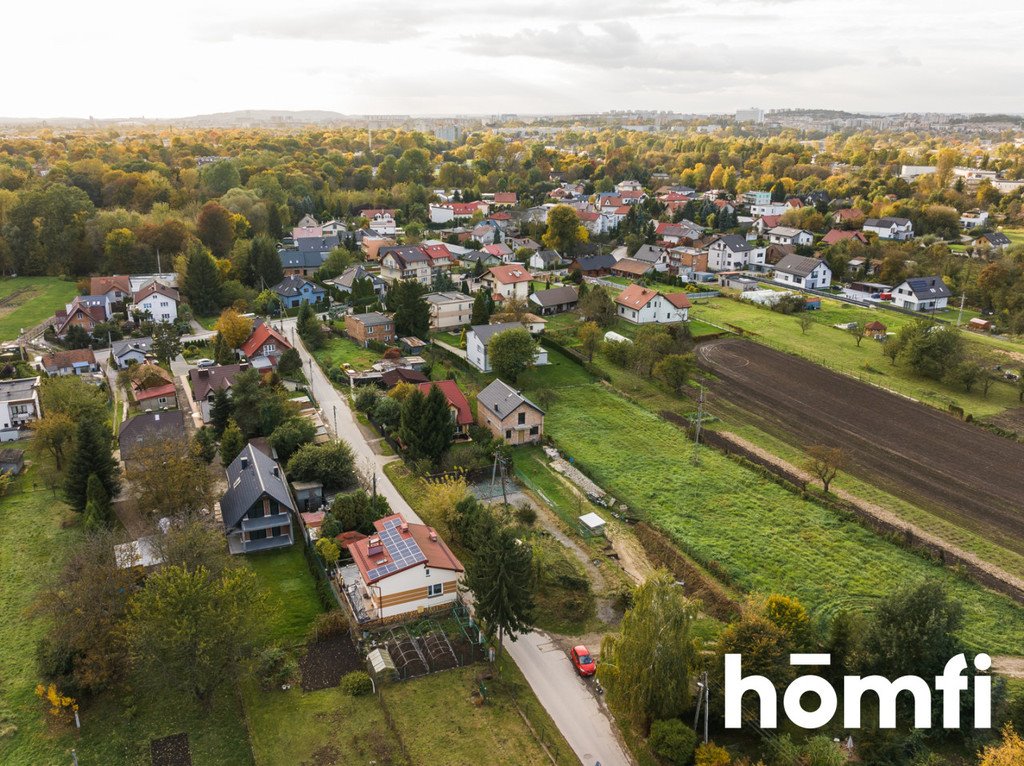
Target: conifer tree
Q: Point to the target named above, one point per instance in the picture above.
(231, 443)
(220, 411)
(93, 455)
(98, 513)
(500, 578)
(437, 425)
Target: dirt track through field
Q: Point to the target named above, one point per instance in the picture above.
(969, 476)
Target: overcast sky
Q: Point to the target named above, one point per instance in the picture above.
(157, 58)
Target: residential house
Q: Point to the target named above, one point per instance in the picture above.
(840, 235)
(257, 508)
(632, 268)
(922, 294)
(641, 305)
(372, 326)
(504, 199)
(787, 235)
(207, 381)
(678, 233)
(800, 271)
(406, 262)
(759, 197)
(686, 260)
(19, 406)
(994, 240)
(307, 221)
(131, 351)
(657, 257)
(509, 281)
(593, 265)
(352, 273)
(890, 228)
(519, 243)
(158, 301)
(440, 255)
(449, 310)
(629, 185)
(116, 288)
(502, 252)
(149, 430)
(458, 405)
(555, 300)
(81, 313)
(303, 263)
(403, 570)
(264, 347)
(391, 378)
(972, 219)
(775, 253)
(371, 245)
(81, 361)
(381, 220)
(849, 216)
(729, 252)
(532, 322)
(765, 223)
(294, 290)
(479, 338)
(445, 212)
(545, 260)
(334, 228)
(509, 415)
(471, 258)
(153, 388)
(486, 233)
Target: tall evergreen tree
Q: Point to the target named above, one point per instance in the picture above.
(266, 263)
(481, 311)
(412, 425)
(412, 312)
(437, 425)
(220, 411)
(363, 295)
(202, 282)
(93, 455)
(222, 352)
(500, 578)
(309, 328)
(98, 514)
(231, 443)
(275, 227)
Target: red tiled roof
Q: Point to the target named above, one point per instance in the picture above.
(771, 221)
(142, 394)
(510, 275)
(455, 398)
(505, 198)
(156, 288)
(438, 554)
(848, 214)
(68, 358)
(260, 336)
(104, 285)
(635, 296)
(837, 235)
(679, 300)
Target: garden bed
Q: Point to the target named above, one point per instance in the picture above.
(327, 660)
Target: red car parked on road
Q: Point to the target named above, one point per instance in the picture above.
(582, 660)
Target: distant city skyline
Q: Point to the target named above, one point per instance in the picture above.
(173, 60)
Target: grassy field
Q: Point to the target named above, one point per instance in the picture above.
(837, 350)
(292, 592)
(27, 301)
(751, 531)
(338, 350)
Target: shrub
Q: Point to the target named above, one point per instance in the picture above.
(366, 399)
(673, 741)
(526, 514)
(274, 667)
(356, 684)
(332, 623)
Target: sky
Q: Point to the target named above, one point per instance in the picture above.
(157, 58)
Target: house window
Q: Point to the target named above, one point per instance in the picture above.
(522, 418)
(256, 512)
(534, 430)
(508, 433)
(369, 331)
(435, 589)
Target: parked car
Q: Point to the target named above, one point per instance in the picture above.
(205, 363)
(582, 660)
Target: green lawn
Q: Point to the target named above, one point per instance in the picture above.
(749, 530)
(338, 350)
(837, 350)
(32, 299)
(292, 591)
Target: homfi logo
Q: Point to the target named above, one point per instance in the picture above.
(950, 684)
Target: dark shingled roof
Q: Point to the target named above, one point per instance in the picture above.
(246, 486)
(798, 265)
(148, 429)
(927, 288)
(556, 296)
(487, 331)
(502, 399)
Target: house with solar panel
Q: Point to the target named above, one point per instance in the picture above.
(404, 570)
(922, 294)
(257, 508)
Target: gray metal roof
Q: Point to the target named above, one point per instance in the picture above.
(317, 244)
(734, 242)
(885, 223)
(798, 265)
(556, 296)
(121, 347)
(297, 259)
(487, 331)
(501, 399)
(18, 389)
(595, 262)
(372, 318)
(292, 285)
(450, 296)
(150, 428)
(246, 486)
(928, 288)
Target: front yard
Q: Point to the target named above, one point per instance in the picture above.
(338, 350)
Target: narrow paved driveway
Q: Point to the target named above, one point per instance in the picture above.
(579, 715)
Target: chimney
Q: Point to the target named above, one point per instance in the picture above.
(245, 462)
(433, 536)
(277, 472)
(204, 373)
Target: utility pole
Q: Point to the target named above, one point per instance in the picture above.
(960, 316)
(335, 421)
(703, 692)
(697, 426)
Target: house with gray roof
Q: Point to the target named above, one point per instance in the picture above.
(131, 351)
(151, 429)
(509, 415)
(801, 271)
(730, 252)
(899, 229)
(294, 290)
(555, 301)
(545, 260)
(257, 508)
(654, 256)
(479, 338)
(922, 294)
(352, 273)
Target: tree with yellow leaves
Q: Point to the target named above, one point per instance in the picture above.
(1009, 753)
(442, 495)
(234, 328)
(60, 704)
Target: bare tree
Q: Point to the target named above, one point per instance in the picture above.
(856, 329)
(825, 462)
(805, 323)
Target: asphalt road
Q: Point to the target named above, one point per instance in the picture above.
(570, 701)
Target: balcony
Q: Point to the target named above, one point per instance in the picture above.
(265, 522)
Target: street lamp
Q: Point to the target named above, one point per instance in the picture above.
(335, 407)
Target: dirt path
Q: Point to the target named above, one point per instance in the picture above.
(889, 517)
(1012, 667)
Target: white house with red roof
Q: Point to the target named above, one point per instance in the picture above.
(264, 347)
(505, 199)
(158, 300)
(381, 220)
(508, 281)
(403, 570)
(444, 212)
(641, 305)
